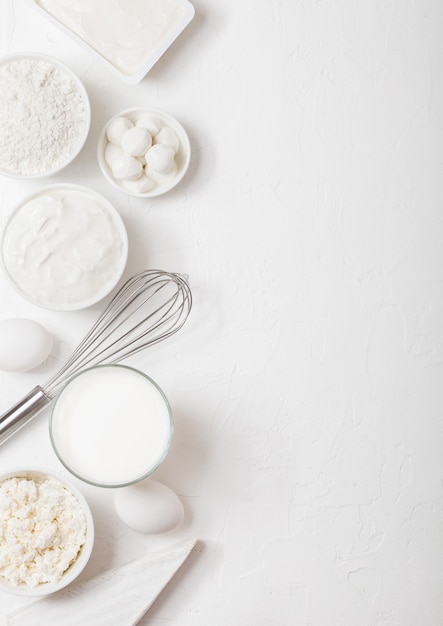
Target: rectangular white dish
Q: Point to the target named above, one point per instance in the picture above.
(128, 36)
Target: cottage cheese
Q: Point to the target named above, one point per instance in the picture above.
(42, 530)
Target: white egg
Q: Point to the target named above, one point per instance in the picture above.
(127, 168)
(24, 344)
(150, 122)
(160, 158)
(136, 141)
(149, 507)
(117, 128)
(112, 153)
(167, 137)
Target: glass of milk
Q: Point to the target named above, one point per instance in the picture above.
(111, 425)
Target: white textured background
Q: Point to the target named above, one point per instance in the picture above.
(307, 386)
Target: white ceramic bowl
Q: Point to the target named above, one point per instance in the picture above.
(40, 142)
(77, 566)
(163, 183)
(64, 247)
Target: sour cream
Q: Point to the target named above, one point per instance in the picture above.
(65, 248)
(111, 425)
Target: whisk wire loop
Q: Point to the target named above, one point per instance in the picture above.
(150, 307)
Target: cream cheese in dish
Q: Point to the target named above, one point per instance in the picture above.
(130, 34)
(111, 425)
(64, 248)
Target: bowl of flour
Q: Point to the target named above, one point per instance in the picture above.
(45, 115)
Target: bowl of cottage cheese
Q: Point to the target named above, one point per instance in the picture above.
(45, 115)
(46, 530)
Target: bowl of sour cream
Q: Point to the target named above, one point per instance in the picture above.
(64, 247)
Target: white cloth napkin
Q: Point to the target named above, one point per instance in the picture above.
(121, 595)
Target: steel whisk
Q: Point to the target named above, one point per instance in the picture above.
(150, 307)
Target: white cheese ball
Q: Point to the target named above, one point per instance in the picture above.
(167, 137)
(141, 185)
(117, 128)
(159, 177)
(150, 122)
(127, 168)
(136, 141)
(160, 158)
(112, 153)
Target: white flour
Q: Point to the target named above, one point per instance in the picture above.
(42, 116)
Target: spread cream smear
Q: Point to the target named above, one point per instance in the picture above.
(125, 32)
(111, 425)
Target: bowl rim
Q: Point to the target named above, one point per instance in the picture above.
(185, 150)
(111, 485)
(87, 104)
(45, 589)
(122, 231)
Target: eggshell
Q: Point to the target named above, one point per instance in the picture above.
(24, 344)
(149, 507)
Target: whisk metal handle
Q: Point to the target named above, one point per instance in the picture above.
(18, 415)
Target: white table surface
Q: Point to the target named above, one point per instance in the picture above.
(307, 384)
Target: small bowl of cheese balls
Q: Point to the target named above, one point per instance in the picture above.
(144, 152)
